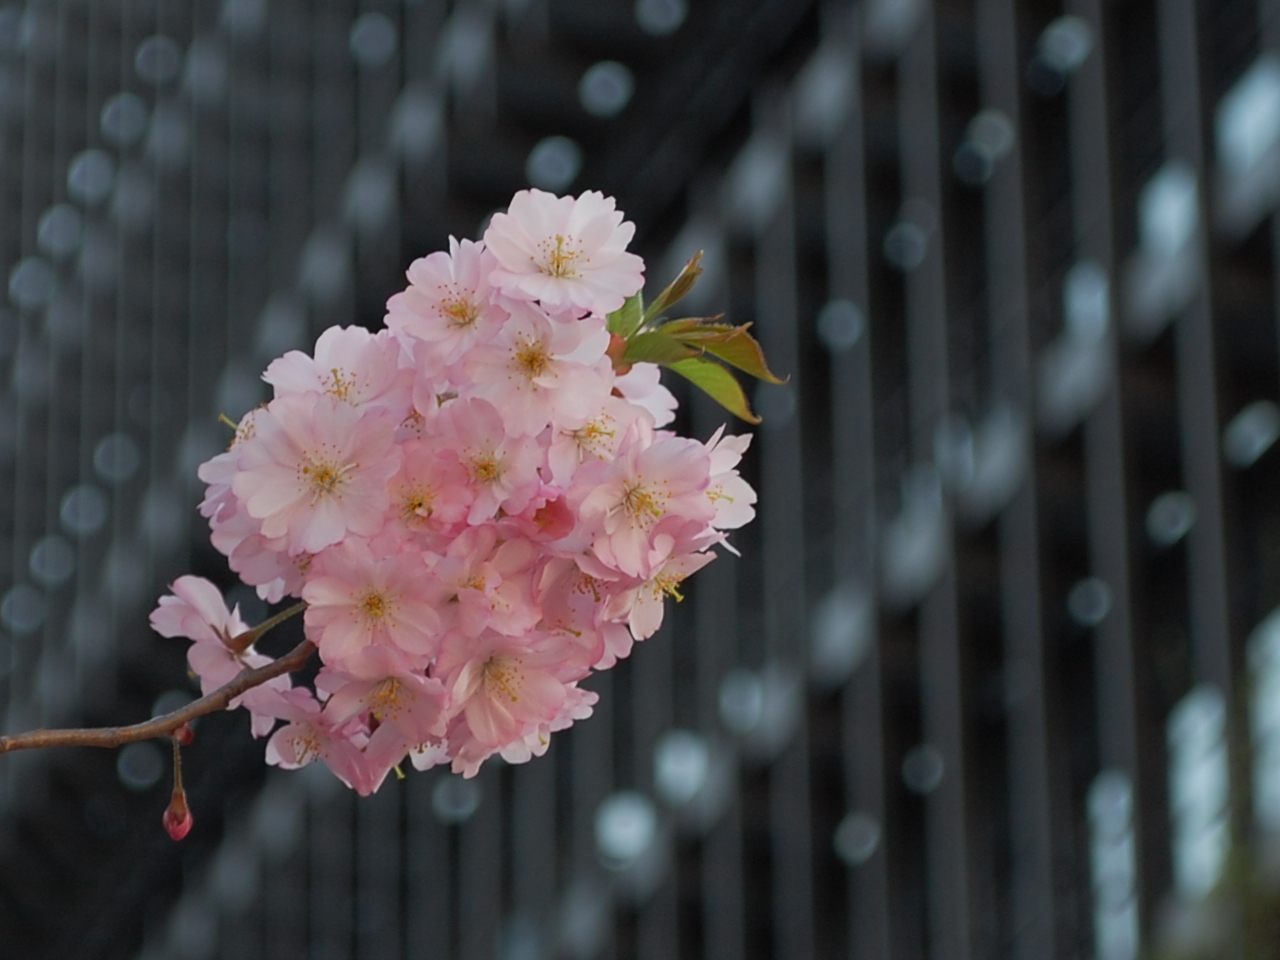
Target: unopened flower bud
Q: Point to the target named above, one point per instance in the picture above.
(177, 816)
(184, 734)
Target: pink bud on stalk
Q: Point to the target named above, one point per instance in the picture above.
(177, 816)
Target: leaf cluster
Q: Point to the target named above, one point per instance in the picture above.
(703, 350)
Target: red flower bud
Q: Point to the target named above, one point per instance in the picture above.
(177, 816)
(184, 734)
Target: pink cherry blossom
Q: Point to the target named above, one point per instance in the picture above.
(504, 689)
(317, 469)
(537, 371)
(596, 438)
(449, 302)
(477, 510)
(310, 735)
(431, 491)
(644, 605)
(351, 365)
(502, 471)
(732, 496)
(403, 709)
(566, 253)
(491, 583)
(197, 611)
(654, 485)
(357, 599)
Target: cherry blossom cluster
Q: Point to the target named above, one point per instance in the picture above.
(477, 508)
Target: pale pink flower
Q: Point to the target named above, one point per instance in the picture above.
(449, 302)
(403, 709)
(316, 470)
(597, 438)
(502, 470)
(640, 501)
(309, 735)
(577, 705)
(643, 605)
(566, 253)
(537, 371)
(503, 689)
(573, 604)
(197, 611)
(351, 365)
(432, 489)
(733, 497)
(642, 386)
(490, 582)
(548, 517)
(356, 599)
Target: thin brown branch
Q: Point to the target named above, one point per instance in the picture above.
(163, 726)
(243, 641)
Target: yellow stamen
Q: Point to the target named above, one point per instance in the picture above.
(562, 261)
(338, 385)
(503, 674)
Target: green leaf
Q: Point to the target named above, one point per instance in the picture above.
(677, 289)
(718, 383)
(698, 329)
(743, 351)
(626, 320)
(657, 347)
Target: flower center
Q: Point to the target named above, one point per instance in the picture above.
(306, 743)
(384, 699)
(376, 606)
(324, 476)
(339, 384)
(462, 313)
(561, 260)
(503, 675)
(594, 437)
(642, 504)
(532, 361)
(418, 505)
(486, 468)
(667, 585)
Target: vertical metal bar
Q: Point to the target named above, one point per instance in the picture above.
(427, 871)
(480, 871)
(853, 466)
(652, 680)
(782, 519)
(378, 920)
(332, 876)
(1197, 388)
(947, 846)
(534, 851)
(591, 780)
(1008, 309)
(1269, 27)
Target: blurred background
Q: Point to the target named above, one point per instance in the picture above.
(998, 674)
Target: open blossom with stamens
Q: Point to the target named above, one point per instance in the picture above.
(449, 305)
(502, 470)
(654, 485)
(503, 689)
(351, 365)
(357, 599)
(316, 470)
(309, 734)
(567, 253)
(537, 372)
(477, 508)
